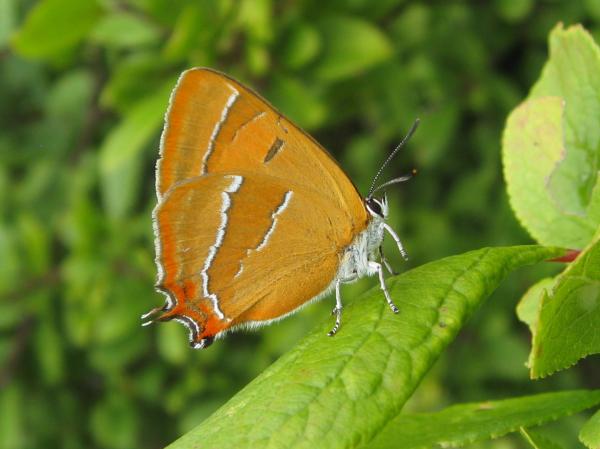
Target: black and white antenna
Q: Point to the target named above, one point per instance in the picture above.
(374, 189)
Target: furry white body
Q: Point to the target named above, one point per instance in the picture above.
(358, 258)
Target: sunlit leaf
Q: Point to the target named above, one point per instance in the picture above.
(532, 149)
(572, 74)
(550, 151)
(340, 392)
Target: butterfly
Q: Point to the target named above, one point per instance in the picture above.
(254, 218)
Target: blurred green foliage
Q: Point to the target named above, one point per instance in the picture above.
(83, 88)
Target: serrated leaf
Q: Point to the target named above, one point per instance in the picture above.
(550, 151)
(339, 392)
(537, 440)
(466, 423)
(122, 148)
(529, 305)
(567, 328)
(55, 26)
(350, 46)
(590, 432)
(532, 148)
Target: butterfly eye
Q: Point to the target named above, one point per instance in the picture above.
(374, 207)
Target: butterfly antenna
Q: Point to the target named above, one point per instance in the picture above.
(411, 131)
(395, 181)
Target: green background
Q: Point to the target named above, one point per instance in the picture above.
(83, 88)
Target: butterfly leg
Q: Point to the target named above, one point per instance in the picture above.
(389, 229)
(379, 268)
(386, 263)
(337, 310)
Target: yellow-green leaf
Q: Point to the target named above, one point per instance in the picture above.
(550, 145)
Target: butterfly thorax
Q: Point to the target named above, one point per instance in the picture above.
(365, 247)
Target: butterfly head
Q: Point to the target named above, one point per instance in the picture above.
(377, 207)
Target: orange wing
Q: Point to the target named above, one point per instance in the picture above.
(244, 248)
(216, 125)
(253, 215)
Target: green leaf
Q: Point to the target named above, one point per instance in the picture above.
(169, 344)
(340, 392)
(132, 79)
(532, 148)
(350, 46)
(300, 46)
(594, 206)
(121, 151)
(8, 20)
(10, 254)
(256, 17)
(123, 30)
(13, 427)
(590, 432)
(572, 74)
(567, 328)
(298, 101)
(538, 440)
(114, 422)
(49, 350)
(35, 244)
(192, 32)
(465, 423)
(54, 27)
(550, 151)
(514, 11)
(529, 306)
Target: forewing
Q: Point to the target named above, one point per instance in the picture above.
(243, 248)
(216, 125)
